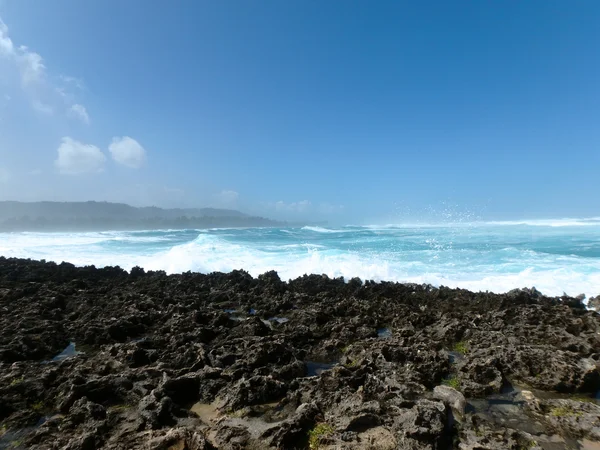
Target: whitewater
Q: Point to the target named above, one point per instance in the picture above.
(554, 256)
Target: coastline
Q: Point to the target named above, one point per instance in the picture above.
(230, 361)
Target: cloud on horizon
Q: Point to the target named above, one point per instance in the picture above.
(298, 207)
(227, 198)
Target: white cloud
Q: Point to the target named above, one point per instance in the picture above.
(78, 111)
(4, 174)
(42, 107)
(45, 94)
(228, 197)
(76, 158)
(78, 83)
(6, 45)
(31, 65)
(127, 151)
(301, 206)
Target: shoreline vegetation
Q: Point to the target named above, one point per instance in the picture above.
(104, 216)
(102, 358)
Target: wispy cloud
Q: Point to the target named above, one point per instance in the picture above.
(72, 81)
(304, 206)
(48, 94)
(78, 111)
(328, 208)
(301, 206)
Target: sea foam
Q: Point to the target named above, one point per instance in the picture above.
(496, 257)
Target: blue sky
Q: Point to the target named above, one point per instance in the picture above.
(345, 111)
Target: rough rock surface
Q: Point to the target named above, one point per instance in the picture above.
(228, 361)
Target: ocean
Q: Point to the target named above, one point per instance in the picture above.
(554, 256)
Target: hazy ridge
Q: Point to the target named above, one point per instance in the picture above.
(94, 216)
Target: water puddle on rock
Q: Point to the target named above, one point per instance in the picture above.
(279, 320)
(208, 412)
(586, 444)
(384, 333)
(68, 352)
(507, 409)
(314, 368)
(255, 419)
(13, 438)
(455, 357)
(240, 315)
(544, 395)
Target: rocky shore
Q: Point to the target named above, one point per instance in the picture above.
(101, 358)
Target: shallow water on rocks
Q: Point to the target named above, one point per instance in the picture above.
(279, 320)
(208, 412)
(586, 444)
(507, 409)
(384, 333)
(12, 439)
(560, 396)
(68, 352)
(317, 368)
(255, 419)
(455, 357)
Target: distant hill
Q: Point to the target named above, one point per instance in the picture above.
(93, 216)
(52, 210)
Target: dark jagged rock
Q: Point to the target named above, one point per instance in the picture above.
(228, 361)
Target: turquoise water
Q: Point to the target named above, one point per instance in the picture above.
(554, 256)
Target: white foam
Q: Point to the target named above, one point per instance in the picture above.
(439, 263)
(212, 254)
(325, 230)
(564, 222)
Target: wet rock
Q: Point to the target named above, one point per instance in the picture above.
(179, 439)
(479, 378)
(451, 398)
(573, 418)
(155, 411)
(104, 390)
(183, 390)
(253, 391)
(292, 433)
(231, 437)
(423, 426)
(83, 410)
